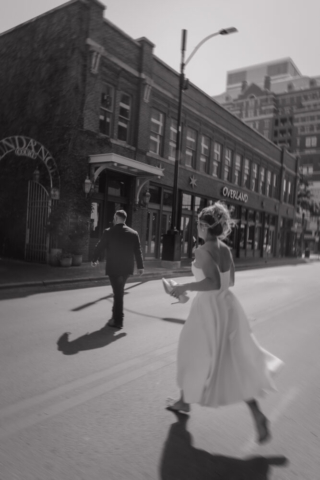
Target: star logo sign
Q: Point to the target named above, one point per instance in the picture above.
(193, 181)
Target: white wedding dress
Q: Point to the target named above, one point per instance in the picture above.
(219, 360)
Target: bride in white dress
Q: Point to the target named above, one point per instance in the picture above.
(219, 360)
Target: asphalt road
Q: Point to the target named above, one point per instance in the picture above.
(90, 405)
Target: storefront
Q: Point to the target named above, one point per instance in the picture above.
(254, 234)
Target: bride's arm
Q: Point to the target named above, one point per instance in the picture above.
(210, 270)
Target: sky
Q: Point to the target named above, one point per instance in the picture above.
(267, 30)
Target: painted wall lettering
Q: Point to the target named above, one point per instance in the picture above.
(235, 194)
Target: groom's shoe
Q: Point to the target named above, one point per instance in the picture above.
(114, 324)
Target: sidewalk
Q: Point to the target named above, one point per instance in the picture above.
(17, 274)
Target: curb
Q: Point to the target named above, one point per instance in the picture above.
(145, 276)
(132, 279)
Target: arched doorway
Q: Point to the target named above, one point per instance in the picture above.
(30, 186)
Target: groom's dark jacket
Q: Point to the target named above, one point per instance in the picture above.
(122, 246)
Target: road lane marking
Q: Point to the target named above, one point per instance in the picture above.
(278, 410)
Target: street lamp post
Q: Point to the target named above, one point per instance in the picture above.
(171, 250)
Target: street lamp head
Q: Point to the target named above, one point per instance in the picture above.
(227, 31)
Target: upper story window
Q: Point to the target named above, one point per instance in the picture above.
(124, 117)
(262, 183)
(254, 176)
(227, 164)
(284, 190)
(289, 189)
(268, 184)
(156, 133)
(311, 142)
(106, 110)
(173, 139)
(191, 147)
(251, 100)
(204, 157)
(237, 169)
(216, 170)
(275, 185)
(307, 169)
(246, 173)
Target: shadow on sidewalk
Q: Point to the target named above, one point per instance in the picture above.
(89, 341)
(181, 461)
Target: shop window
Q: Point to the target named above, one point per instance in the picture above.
(155, 193)
(191, 147)
(115, 188)
(216, 170)
(204, 157)
(124, 117)
(254, 177)
(186, 201)
(199, 204)
(246, 175)
(156, 132)
(173, 139)
(257, 238)
(167, 198)
(250, 237)
(243, 236)
(96, 220)
(237, 169)
(227, 164)
(251, 216)
(106, 110)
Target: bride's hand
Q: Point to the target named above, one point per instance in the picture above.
(178, 290)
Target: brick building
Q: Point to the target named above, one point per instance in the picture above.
(81, 98)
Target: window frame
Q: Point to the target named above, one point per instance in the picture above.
(227, 168)
(173, 138)
(237, 171)
(190, 152)
(246, 173)
(204, 154)
(157, 138)
(122, 119)
(216, 163)
(107, 112)
(254, 177)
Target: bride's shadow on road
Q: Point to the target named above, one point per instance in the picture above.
(181, 461)
(89, 341)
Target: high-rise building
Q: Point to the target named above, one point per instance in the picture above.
(283, 105)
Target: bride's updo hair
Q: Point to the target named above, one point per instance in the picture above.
(217, 219)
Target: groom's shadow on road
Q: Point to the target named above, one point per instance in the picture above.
(89, 341)
(180, 460)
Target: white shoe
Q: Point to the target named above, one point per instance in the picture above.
(168, 284)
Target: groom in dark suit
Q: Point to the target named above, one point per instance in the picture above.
(122, 246)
